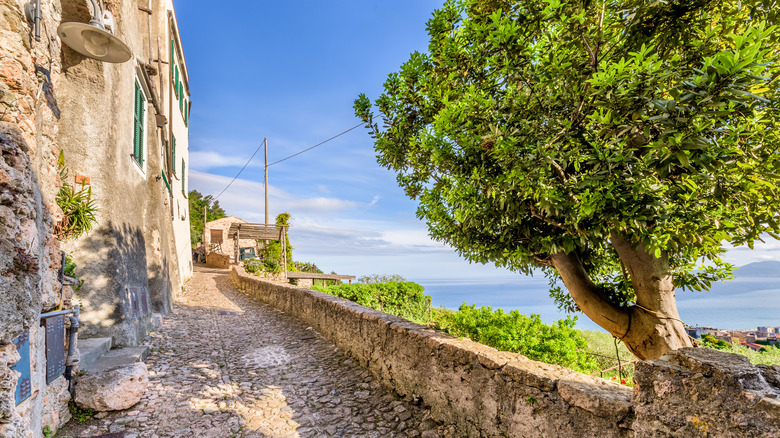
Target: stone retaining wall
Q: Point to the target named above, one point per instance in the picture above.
(218, 260)
(485, 392)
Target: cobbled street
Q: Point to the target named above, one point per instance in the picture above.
(224, 365)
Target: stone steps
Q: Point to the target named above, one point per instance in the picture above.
(90, 349)
(96, 354)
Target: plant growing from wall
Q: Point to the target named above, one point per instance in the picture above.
(70, 271)
(78, 207)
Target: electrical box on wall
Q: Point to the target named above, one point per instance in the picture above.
(55, 346)
(22, 366)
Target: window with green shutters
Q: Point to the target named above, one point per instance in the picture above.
(173, 154)
(176, 80)
(138, 124)
(183, 175)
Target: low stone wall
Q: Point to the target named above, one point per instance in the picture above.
(484, 392)
(218, 260)
(692, 392)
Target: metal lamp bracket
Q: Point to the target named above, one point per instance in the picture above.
(32, 11)
(108, 21)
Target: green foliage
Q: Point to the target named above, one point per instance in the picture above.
(78, 207)
(558, 343)
(606, 353)
(307, 267)
(70, 271)
(197, 202)
(537, 128)
(383, 278)
(269, 265)
(47, 432)
(710, 341)
(80, 415)
(272, 266)
(406, 300)
(253, 265)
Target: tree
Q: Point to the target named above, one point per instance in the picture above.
(197, 202)
(616, 145)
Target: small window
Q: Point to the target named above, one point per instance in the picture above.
(138, 125)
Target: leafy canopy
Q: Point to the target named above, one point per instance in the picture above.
(538, 127)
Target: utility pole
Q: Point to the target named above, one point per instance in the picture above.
(205, 219)
(265, 141)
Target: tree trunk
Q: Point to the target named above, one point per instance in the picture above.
(649, 328)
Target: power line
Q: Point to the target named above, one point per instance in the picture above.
(239, 173)
(288, 157)
(318, 144)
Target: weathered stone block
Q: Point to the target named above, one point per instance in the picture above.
(698, 392)
(114, 389)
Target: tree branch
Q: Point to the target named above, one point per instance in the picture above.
(586, 294)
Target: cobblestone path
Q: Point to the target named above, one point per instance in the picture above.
(224, 365)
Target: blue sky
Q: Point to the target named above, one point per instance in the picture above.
(290, 71)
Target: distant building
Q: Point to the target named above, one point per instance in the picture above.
(698, 332)
(752, 345)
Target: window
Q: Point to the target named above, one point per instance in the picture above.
(183, 186)
(173, 154)
(138, 126)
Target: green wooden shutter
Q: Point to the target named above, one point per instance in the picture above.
(176, 80)
(185, 112)
(138, 121)
(173, 154)
(182, 175)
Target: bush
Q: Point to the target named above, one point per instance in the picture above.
(406, 299)
(559, 343)
(384, 278)
(253, 265)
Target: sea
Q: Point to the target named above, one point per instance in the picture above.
(740, 304)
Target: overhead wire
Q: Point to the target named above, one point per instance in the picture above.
(287, 157)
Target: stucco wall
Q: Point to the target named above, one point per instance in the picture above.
(129, 262)
(485, 392)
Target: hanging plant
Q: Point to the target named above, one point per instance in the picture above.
(78, 207)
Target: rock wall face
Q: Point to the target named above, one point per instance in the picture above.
(29, 254)
(486, 393)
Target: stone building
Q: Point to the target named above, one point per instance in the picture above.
(123, 129)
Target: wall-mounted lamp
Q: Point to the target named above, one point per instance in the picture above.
(92, 40)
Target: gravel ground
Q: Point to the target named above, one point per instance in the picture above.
(224, 365)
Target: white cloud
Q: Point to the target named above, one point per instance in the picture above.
(205, 160)
(245, 199)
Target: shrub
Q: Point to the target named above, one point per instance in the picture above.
(383, 278)
(253, 265)
(406, 300)
(558, 343)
